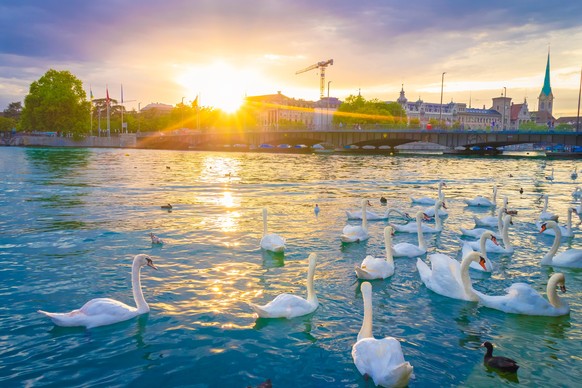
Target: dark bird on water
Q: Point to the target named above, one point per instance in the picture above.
(521, 190)
(383, 200)
(498, 362)
(167, 207)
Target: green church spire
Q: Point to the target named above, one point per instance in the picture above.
(547, 89)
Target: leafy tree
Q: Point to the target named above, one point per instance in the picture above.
(7, 123)
(13, 110)
(357, 110)
(56, 102)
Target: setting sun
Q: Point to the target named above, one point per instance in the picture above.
(219, 85)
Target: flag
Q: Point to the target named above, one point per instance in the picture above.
(107, 98)
(122, 93)
(195, 102)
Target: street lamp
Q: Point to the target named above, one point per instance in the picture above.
(441, 108)
(327, 120)
(504, 105)
(138, 117)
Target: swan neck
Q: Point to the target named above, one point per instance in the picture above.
(505, 236)
(140, 302)
(311, 297)
(494, 194)
(554, 249)
(264, 222)
(366, 329)
(364, 216)
(569, 224)
(466, 279)
(388, 244)
(421, 241)
(552, 292)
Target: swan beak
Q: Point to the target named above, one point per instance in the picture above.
(151, 264)
(574, 210)
(482, 263)
(543, 229)
(494, 239)
(408, 216)
(444, 206)
(563, 288)
(426, 217)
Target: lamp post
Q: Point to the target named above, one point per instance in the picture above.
(504, 105)
(138, 117)
(327, 120)
(182, 114)
(441, 108)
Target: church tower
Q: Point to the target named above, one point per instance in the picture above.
(546, 98)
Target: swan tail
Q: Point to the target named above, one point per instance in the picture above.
(72, 319)
(362, 273)
(423, 270)
(259, 310)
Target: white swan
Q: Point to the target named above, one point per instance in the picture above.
(545, 215)
(551, 177)
(357, 233)
(271, 242)
(411, 227)
(566, 231)
(371, 216)
(521, 298)
(448, 277)
(482, 201)
(571, 258)
(380, 359)
(477, 232)
(289, 305)
(496, 248)
(431, 211)
(156, 240)
(105, 311)
(574, 174)
(491, 221)
(405, 249)
(427, 200)
(378, 267)
(467, 248)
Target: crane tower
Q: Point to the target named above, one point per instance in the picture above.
(321, 65)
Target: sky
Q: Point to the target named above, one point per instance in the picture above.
(172, 51)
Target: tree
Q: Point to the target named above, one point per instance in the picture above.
(56, 102)
(6, 123)
(357, 110)
(13, 110)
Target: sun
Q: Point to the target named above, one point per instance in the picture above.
(218, 85)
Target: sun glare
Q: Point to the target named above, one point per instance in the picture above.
(219, 85)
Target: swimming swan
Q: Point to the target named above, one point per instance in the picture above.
(496, 248)
(521, 298)
(491, 221)
(411, 227)
(427, 200)
(431, 211)
(378, 267)
(467, 248)
(448, 277)
(482, 201)
(380, 359)
(405, 249)
(105, 311)
(371, 216)
(289, 305)
(545, 215)
(566, 231)
(571, 258)
(477, 232)
(357, 233)
(271, 242)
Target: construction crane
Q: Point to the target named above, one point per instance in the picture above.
(321, 65)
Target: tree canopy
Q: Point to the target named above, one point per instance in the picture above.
(56, 102)
(358, 110)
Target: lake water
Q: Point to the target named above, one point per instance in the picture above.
(72, 220)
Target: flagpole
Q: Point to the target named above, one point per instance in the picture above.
(108, 120)
(122, 108)
(91, 109)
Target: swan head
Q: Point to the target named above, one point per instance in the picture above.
(144, 260)
(423, 216)
(388, 231)
(560, 280)
(546, 225)
(491, 236)
(476, 257)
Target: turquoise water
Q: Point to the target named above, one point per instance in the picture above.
(72, 220)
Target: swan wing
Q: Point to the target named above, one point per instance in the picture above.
(571, 258)
(445, 277)
(273, 242)
(405, 249)
(96, 312)
(374, 268)
(383, 361)
(285, 306)
(521, 298)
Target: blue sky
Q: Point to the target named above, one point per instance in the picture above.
(163, 51)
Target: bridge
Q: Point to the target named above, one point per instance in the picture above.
(384, 137)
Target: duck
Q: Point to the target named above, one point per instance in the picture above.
(498, 362)
(577, 193)
(271, 241)
(383, 200)
(574, 174)
(380, 359)
(551, 176)
(477, 232)
(566, 231)
(467, 248)
(521, 190)
(427, 200)
(405, 249)
(448, 277)
(570, 258)
(105, 311)
(546, 215)
(156, 240)
(492, 247)
(521, 298)
(167, 207)
(378, 267)
(357, 233)
(289, 305)
(411, 227)
(482, 201)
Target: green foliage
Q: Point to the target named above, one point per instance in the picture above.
(531, 125)
(56, 102)
(7, 123)
(13, 110)
(357, 110)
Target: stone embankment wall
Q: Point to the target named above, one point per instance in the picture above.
(121, 141)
